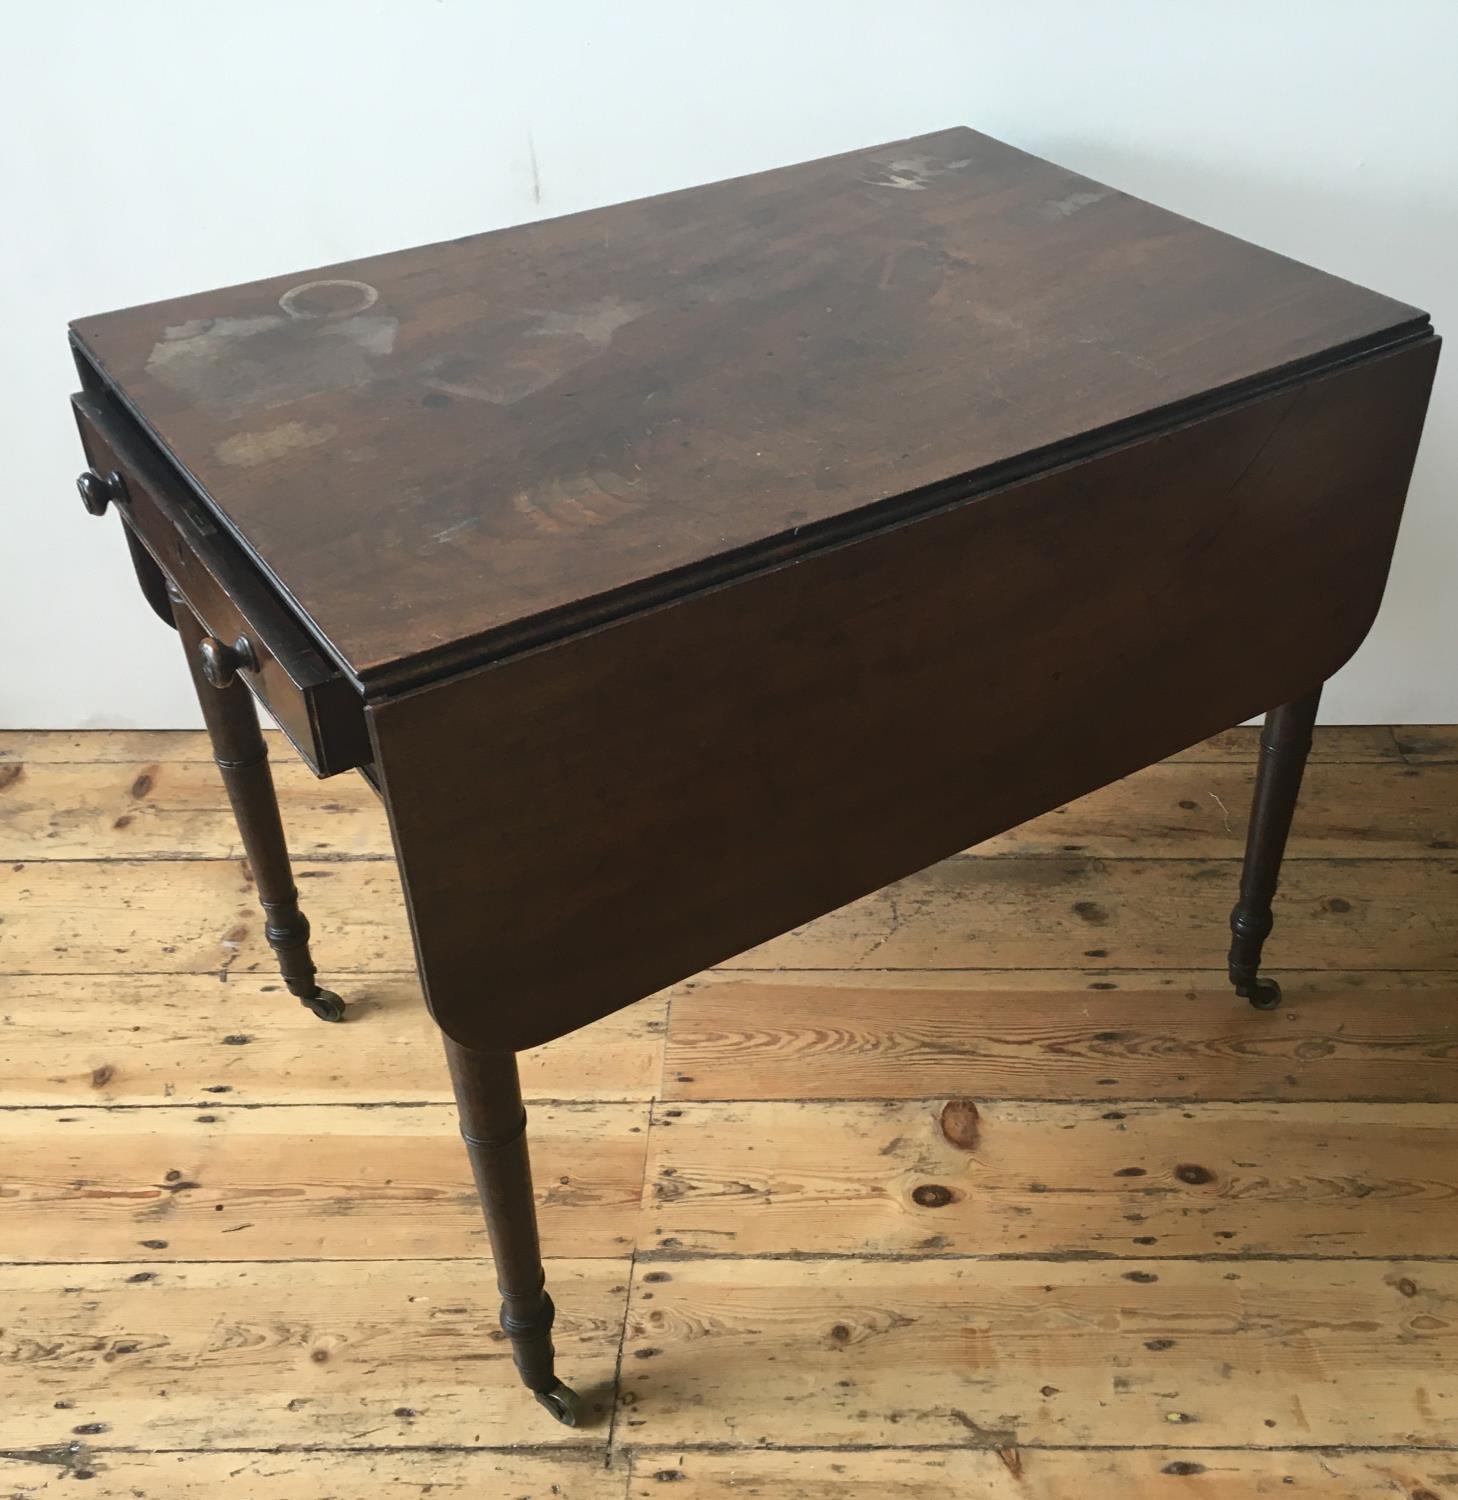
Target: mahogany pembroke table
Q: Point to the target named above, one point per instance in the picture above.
(680, 571)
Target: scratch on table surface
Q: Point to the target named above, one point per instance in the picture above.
(451, 532)
(1288, 410)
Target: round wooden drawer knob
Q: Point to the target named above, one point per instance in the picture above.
(98, 491)
(221, 664)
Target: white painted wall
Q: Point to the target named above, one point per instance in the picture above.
(154, 147)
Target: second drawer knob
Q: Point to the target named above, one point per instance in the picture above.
(99, 490)
(221, 663)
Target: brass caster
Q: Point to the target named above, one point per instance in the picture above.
(563, 1402)
(325, 1004)
(1264, 994)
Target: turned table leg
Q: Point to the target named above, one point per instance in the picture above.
(242, 758)
(1285, 744)
(493, 1122)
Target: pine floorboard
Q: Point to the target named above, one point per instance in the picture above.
(983, 1185)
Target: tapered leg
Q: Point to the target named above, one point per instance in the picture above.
(1285, 744)
(242, 758)
(493, 1122)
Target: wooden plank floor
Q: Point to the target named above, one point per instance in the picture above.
(985, 1185)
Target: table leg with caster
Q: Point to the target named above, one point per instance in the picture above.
(493, 1122)
(1285, 744)
(242, 760)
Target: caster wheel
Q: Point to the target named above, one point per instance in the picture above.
(1263, 994)
(563, 1402)
(325, 1004)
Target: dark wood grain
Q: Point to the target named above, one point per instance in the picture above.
(449, 453)
(643, 801)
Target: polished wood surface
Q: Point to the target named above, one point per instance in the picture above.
(302, 1311)
(654, 797)
(452, 452)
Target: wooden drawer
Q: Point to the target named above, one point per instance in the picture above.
(314, 703)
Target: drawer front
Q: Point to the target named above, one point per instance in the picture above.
(313, 702)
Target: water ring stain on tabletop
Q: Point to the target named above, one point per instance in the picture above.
(322, 336)
(327, 299)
